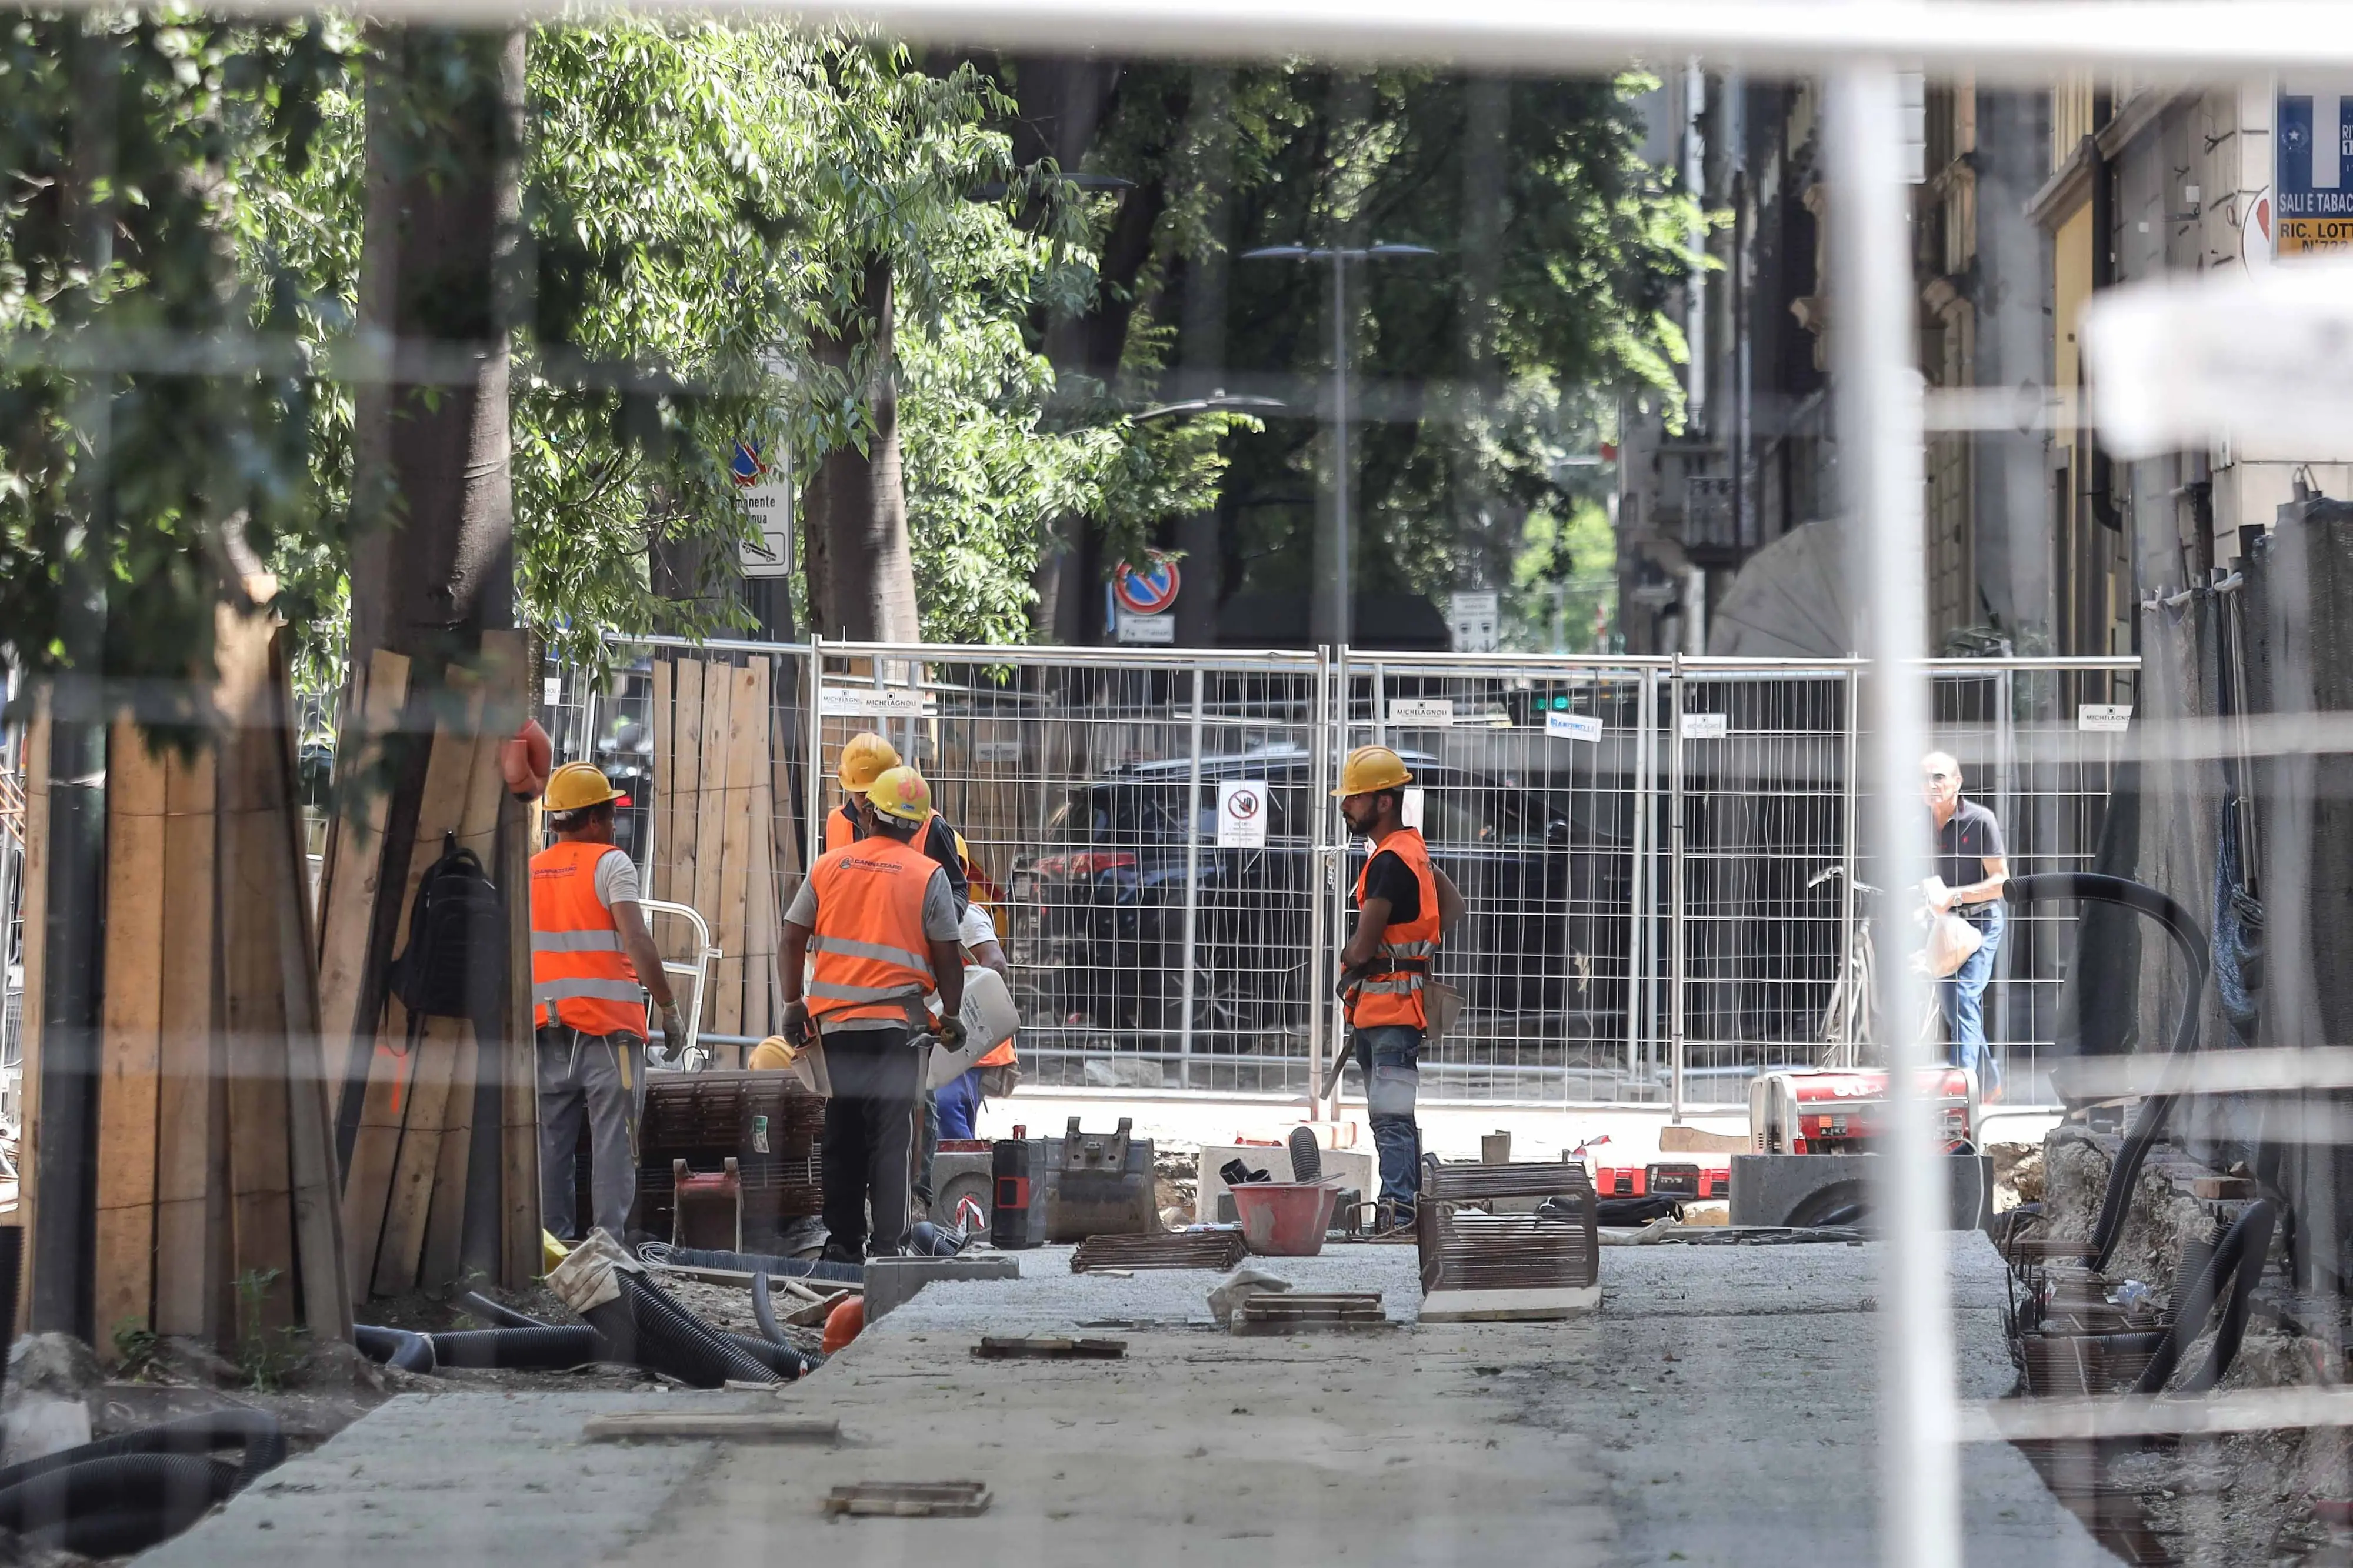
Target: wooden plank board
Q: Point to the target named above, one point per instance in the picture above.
(354, 870)
(747, 737)
(519, 1223)
(665, 814)
(130, 1020)
(725, 1426)
(437, 1145)
(33, 907)
(314, 1193)
(367, 1184)
(710, 814)
(685, 779)
(761, 1007)
(401, 1243)
(445, 1227)
(258, 874)
(191, 1211)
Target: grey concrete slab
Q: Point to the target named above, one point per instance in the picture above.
(1049, 1298)
(1732, 1393)
(1719, 1409)
(443, 1480)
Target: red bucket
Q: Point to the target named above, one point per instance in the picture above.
(1285, 1219)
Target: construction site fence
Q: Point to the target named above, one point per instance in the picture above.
(1642, 844)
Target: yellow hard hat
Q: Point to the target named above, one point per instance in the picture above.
(900, 793)
(1370, 768)
(577, 785)
(864, 759)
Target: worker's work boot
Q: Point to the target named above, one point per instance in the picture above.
(1393, 1218)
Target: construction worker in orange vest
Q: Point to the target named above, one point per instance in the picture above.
(1403, 904)
(865, 757)
(874, 930)
(591, 964)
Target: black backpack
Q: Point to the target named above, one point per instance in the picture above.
(455, 965)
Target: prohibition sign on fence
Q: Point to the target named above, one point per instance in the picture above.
(1241, 814)
(1149, 589)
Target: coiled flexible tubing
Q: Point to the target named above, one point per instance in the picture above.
(2190, 942)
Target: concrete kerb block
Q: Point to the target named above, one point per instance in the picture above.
(893, 1281)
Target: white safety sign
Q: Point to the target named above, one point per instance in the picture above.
(2104, 718)
(1241, 813)
(770, 502)
(848, 702)
(1705, 726)
(1574, 726)
(1431, 711)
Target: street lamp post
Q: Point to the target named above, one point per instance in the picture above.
(1338, 257)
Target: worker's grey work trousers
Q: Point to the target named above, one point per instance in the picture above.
(594, 1075)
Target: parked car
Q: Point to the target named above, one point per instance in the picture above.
(1098, 912)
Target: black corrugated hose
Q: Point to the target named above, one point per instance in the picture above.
(548, 1347)
(2239, 1255)
(644, 1326)
(401, 1348)
(2190, 942)
(123, 1494)
(783, 1360)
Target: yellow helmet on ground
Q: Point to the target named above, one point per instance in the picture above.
(576, 787)
(1371, 769)
(865, 758)
(900, 793)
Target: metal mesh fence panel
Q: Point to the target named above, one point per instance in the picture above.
(1658, 856)
(1149, 949)
(1531, 789)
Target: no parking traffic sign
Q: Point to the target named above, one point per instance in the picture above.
(1149, 589)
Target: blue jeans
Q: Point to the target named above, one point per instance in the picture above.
(958, 1101)
(1962, 996)
(1390, 1058)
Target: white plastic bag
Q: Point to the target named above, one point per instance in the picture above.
(989, 1021)
(1952, 942)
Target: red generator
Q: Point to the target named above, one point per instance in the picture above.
(1691, 1180)
(1829, 1111)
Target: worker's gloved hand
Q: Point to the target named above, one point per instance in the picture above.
(673, 1032)
(797, 1022)
(950, 1032)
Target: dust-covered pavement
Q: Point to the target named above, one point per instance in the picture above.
(1721, 1408)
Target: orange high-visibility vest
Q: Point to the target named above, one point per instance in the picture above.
(869, 957)
(1392, 994)
(579, 976)
(840, 828)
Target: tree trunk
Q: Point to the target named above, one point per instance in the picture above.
(432, 503)
(861, 565)
(433, 565)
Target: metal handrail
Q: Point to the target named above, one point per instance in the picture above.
(706, 954)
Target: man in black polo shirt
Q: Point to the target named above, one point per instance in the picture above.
(1972, 862)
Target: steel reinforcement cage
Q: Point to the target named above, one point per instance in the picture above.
(1641, 842)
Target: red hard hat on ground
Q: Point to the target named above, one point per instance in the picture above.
(844, 1324)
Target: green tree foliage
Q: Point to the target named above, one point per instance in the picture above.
(697, 199)
(149, 445)
(1557, 245)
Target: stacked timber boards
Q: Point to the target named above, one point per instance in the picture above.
(430, 1117)
(215, 1214)
(716, 845)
